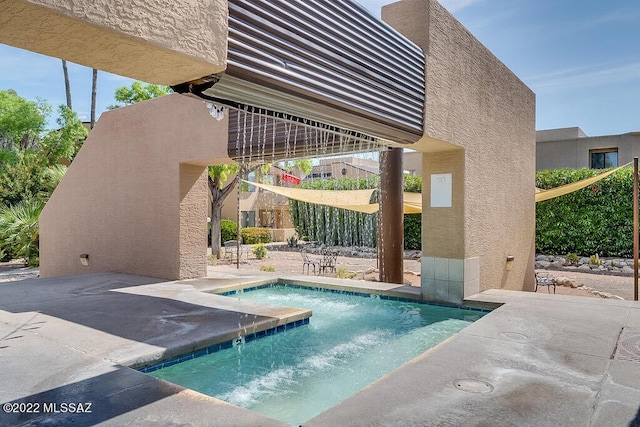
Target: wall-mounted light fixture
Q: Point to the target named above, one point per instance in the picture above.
(510, 260)
(84, 259)
(216, 111)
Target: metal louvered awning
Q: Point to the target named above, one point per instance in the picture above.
(328, 62)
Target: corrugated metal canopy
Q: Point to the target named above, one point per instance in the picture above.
(331, 62)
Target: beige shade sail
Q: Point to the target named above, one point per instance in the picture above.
(353, 200)
(542, 195)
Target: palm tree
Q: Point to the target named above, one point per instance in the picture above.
(67, 84)
(94, 88)
(19, 229)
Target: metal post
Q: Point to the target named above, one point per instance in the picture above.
(238, 233)
(636, 238)
(390, 217)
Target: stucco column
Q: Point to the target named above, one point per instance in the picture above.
(390, 217)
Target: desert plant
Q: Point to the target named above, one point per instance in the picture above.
(292, 242)
(260, 251)
(269, 268)
(343, 273)
(572, 258)
(595, 260)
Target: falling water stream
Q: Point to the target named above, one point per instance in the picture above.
(263, 138)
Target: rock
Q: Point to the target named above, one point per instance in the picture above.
(542, 258)
(543, 264)
(557, 264)
(564, 281)
(585, 260)
(621, 264)
(627, 270)
(584, 267)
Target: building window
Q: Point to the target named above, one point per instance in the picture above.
(604, 158)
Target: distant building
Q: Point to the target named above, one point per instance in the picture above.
(260, 208)
(344, 167)
(572, 148)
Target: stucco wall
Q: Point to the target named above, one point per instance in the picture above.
(135, 197)
(574, 153)
(476, 103)
(158, 41)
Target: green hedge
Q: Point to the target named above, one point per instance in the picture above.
(340, 227)
(595, 220)
(228, 230)
(253, 235)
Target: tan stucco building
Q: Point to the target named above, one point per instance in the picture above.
(134, 199)
(572, 148)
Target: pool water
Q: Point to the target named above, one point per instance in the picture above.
(350, 342)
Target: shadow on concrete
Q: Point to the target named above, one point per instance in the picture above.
(635, 422)
(152, 320)
(95, 400)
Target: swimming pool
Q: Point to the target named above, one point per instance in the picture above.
(349, 342)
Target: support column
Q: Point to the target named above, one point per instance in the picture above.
(390, 217)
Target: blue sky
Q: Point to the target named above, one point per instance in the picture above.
(580, 57)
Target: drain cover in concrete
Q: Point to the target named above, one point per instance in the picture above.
(473, 386)
(628, 345)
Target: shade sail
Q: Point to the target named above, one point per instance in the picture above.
(542, 195)
(353, 200)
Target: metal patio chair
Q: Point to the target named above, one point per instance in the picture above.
(231, 249)
(328, 261)
(308, 262)
(544, 279)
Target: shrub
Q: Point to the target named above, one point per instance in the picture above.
(20, 231)
(413, 231)
(343, 273)
(292, 242)
(253, 235)
(597, 219)
(269, 268)
(228, 230)
(260, 251)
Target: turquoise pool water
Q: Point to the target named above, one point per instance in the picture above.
(350, 341)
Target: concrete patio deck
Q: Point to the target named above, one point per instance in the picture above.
(536, 360)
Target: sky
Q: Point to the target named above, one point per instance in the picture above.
(580, 57)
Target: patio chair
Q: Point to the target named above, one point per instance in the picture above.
(544, 279)
(231, 249)
(328, 262)
(308, 262)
